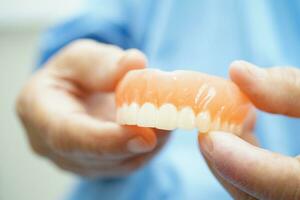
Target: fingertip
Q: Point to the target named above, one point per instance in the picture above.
(243, 73)
(205, 143)
(139, 145)
(144, 139)
(238, 71)
(133, 59)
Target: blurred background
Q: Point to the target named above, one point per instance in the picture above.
(24, 175)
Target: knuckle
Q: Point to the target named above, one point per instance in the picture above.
(134, 51)
(82, 44)
(37, 149)
(74, 53)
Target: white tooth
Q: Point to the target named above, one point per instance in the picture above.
(146, 116)
(119, 118)
(132, 114)
(232, 128)
(125, 113)
(167, 117)
(203, 121)
(121, 114)
(216, 125)
(225, 127)
(238, 129)
(186, 118)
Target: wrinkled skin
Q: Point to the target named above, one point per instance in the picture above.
(68, 111)
(244, 169)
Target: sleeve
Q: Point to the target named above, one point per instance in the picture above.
(101, 20)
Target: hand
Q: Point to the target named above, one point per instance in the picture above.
(245, 170)
(68, 111)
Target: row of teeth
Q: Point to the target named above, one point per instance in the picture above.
(167, 117)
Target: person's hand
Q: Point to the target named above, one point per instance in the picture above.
(68, 111)
(245, 170)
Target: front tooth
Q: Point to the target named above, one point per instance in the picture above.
(203, 121)
(167, 117)
(146, 116)
(132, 114)
(121, 114)
(119, 118)
(186, 118)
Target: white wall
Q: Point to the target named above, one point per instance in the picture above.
(24, 175)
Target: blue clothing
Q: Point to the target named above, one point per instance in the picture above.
(202, 35)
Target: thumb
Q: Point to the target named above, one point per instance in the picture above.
(258, 172)
(94, 66)
(275, 90)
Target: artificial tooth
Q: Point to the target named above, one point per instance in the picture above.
(232, 128)
(186, 118)
(132, 111)
(146, 116)
(121, 114)
(225, 127)
(203, 121)
(167, 117)
(216, 125)
(238, 129)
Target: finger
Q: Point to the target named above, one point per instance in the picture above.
(275, 90)
(232, 190)
(248, 136)
(65, 125)
(87, 171)
(257, 172)
(94, 66)
(83, 133)
(250, 121)
(86, 166)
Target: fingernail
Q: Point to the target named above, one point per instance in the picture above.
(206, 143)
(251, 69)
(256, 71)
(138, 145)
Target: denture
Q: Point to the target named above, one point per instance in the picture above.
(180, 99)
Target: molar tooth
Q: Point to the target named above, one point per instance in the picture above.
(167, 117)
(186, 118)
(238, 130)
(203, 121)
(146, 116)
(216, 125)
(232, 128)
(225, 127)
(132, 112)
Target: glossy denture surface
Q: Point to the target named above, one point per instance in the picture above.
(180, 99)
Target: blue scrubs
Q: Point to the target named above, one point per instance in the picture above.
(202, 35)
